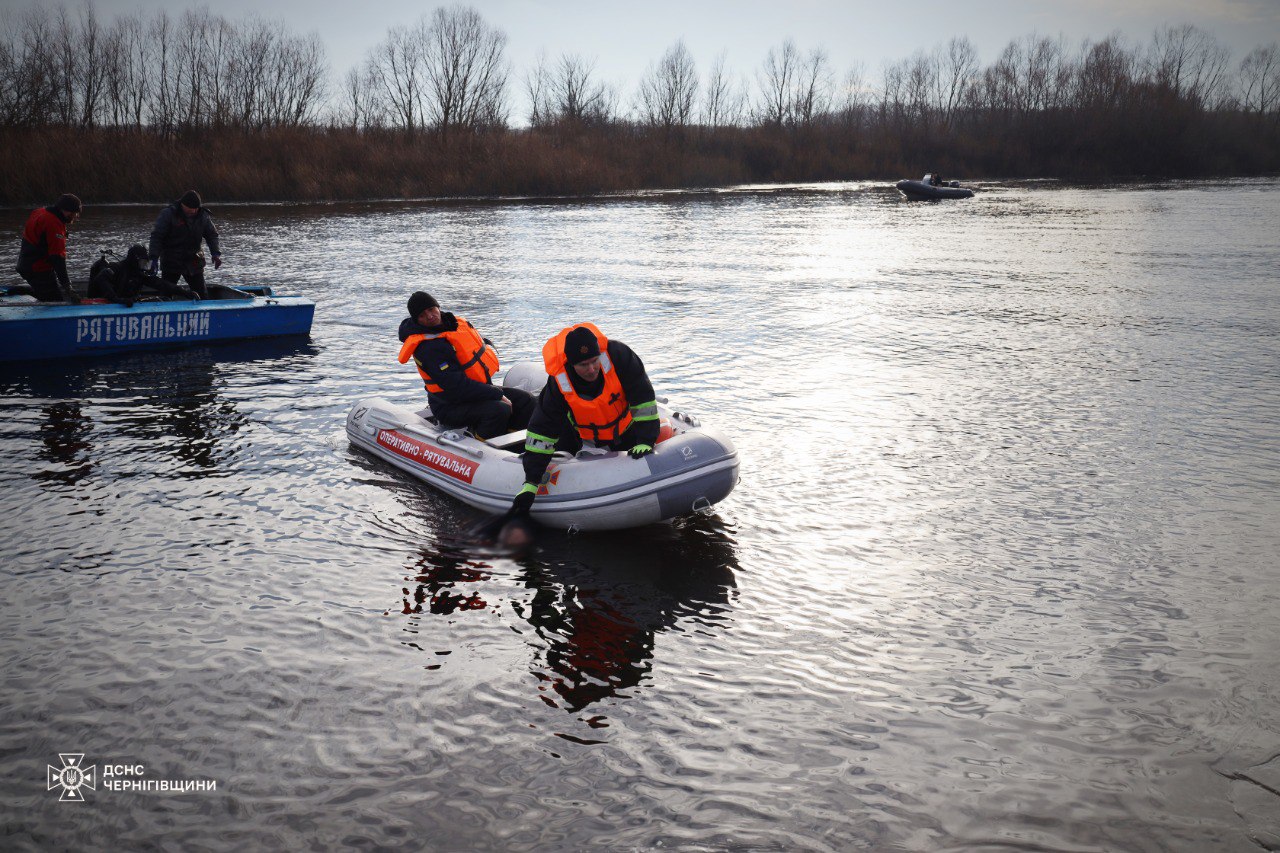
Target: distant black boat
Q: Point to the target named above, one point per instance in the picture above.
(926, 190)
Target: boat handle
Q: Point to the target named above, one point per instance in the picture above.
(702, 506)
(470, 451)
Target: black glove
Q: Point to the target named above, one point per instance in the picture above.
(524, 500)
(640, 450)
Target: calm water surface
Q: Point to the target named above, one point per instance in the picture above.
(1001, 571)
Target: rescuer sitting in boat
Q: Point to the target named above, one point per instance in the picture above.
(42, 255)
(123, 281)
(597, 390)
(457, 366)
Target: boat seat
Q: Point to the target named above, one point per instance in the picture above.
(506, 441)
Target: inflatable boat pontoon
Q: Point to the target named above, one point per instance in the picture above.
(692, 467)
(924, 190)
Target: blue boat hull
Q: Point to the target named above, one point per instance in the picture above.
(35, 331)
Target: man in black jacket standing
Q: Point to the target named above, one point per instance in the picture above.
(175, 242)
(457, 367)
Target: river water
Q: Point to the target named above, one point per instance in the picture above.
(1000, 572)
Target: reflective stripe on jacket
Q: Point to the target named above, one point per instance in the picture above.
(603, 418)
(478, 360)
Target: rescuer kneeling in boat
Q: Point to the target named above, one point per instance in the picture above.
(457, 366)
(597, 390)
(122, 282)
(42, 255)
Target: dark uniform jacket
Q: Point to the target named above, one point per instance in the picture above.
(175, 239)
(438, 359)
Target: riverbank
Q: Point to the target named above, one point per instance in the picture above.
(105, 165)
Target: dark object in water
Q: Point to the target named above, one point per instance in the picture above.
(518, 534)
(512, 531)
(920, 191)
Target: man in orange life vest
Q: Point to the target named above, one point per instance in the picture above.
(457, 366)
(597, 390)
(42, 256)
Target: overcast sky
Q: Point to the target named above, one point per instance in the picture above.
(624, 38)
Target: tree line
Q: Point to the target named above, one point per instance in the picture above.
(1177, 104)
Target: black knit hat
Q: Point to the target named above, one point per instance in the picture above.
(421, 301)
(68, 203)
(580, 345)
(191, 198)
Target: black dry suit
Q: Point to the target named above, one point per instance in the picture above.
(123, 281)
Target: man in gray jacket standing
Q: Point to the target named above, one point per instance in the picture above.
(175, 242)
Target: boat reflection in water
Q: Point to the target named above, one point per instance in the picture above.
(137, 407)
(598, 601)
(65, 432)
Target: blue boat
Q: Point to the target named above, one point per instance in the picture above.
(43, 330)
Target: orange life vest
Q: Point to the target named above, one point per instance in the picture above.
(604, 417)
(478, 359)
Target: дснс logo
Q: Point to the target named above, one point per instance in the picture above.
(71, 776)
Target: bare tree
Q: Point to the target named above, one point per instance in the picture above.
(217, 67)
(537, 84)
(892, 93)
(89, 72)
(129, 81)
(919, 85)
(776, 81)
(957, 75)
(1260, 80)
(305, 72)
(668, 90)
(163, 95)
(1031, 74)
(465, 71)
(1104, 75)
(359, 105)
(811, 95)
(723, 100)
(1189, 63)
(28, 88)
(853, 98)
(575, 96)
(395, 66)
(64, 42)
